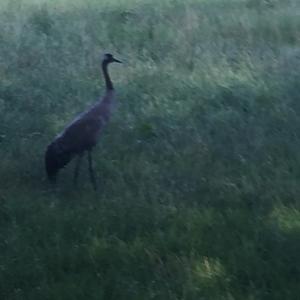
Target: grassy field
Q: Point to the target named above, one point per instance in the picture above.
(199, 169)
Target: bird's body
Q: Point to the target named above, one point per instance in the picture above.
(82, 133)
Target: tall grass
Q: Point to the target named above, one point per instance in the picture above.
(199, 169)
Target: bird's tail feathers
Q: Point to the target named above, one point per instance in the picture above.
(55, 159)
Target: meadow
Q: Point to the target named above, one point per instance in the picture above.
(198, 170)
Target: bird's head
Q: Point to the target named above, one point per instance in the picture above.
(108, 58)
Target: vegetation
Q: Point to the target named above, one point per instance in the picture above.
(199, 169)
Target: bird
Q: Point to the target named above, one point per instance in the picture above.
(82, 134)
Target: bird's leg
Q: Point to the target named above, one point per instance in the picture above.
(77, 167)
(92, 175)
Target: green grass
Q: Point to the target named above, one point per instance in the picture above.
(199, 168)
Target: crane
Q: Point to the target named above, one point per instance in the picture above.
(83, 133)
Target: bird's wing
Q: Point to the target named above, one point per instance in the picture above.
(79, 136)
(82, 134)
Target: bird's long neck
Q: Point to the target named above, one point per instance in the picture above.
(108, 83)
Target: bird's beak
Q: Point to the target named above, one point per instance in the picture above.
(118, 61)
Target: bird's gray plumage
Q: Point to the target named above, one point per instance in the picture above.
(83, 132)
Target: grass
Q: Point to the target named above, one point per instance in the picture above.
(199, 168)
